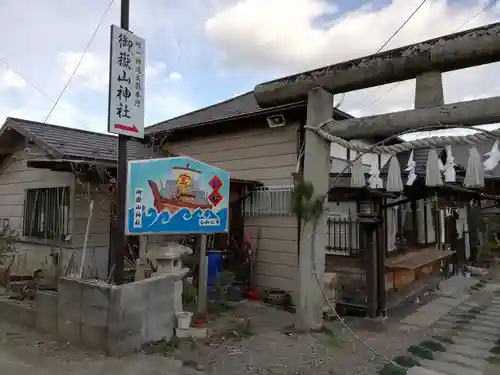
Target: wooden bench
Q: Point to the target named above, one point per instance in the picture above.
(414, 263)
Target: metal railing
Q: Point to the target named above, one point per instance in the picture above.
(344, 236)
(269, 201)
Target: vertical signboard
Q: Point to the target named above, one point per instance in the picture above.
(126, 83)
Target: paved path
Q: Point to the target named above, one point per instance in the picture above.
(474, 330)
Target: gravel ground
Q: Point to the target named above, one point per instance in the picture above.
(268, 351)
(274, 349)
(25, 352)
(271, 348)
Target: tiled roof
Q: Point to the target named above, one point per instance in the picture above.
(461, 155)
(239, 106)
(70, 143)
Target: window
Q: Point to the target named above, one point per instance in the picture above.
(46, 213)
(269, 200)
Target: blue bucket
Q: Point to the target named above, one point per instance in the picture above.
(214, 265)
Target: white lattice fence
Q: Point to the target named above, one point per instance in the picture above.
(269, 201)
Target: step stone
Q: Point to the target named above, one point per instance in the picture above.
(477, 336)
(474, 343)
(448, 368)
(417, 370)
(458, 359)
(468, 351)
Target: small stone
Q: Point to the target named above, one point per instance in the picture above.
(191, 332)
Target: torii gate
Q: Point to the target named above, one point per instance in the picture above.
(425, 61)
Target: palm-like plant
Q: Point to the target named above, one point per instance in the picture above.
(307, 206)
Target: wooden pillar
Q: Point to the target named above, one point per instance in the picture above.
(313, 242)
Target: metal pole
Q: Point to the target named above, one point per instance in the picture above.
(121, 180)
(203, 276)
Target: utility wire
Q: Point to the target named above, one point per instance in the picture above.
(79, 62)
(386, 43)
(486, 7)
(402, 26)
(32, 85)
(396, 33)
(332, 184)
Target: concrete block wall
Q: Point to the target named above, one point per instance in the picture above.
(116, 319)
(46, 311)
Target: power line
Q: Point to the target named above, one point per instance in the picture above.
(79, 62)
(33, 86)
(396, 33)
(402, 26)
(486, 7)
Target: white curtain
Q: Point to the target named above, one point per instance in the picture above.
(461, 222)
(392, 227)
(442, 226)
(392, 224)
(431, 231)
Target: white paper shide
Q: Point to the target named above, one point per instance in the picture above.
(126, 86)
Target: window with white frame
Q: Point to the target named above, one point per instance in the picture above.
(269, 200)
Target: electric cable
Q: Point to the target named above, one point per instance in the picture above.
(387, 42)
(79, 61)
(485, 8)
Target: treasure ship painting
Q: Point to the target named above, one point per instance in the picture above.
(183, 192)
(176, 195)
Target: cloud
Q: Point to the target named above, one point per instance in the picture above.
(92, 72)
(166, 104)
(174, 77)
(45, 50)
(155, 69)
(286, 36)
(11, 80)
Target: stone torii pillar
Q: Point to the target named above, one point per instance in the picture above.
(316, 171)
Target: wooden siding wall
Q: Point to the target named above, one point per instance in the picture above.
(15, 179)
(264, 154)
(99, 234)
(277, 257)
(269, 156)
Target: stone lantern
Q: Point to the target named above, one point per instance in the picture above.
(167, 259)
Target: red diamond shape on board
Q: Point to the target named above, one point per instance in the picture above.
(215, 198)
(215, 183)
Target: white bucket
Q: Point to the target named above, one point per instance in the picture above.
(184, 319)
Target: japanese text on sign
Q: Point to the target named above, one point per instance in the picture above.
(126, 96)
(138, 208)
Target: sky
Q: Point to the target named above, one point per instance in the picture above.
(200, 52)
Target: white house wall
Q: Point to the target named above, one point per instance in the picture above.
(340, 152)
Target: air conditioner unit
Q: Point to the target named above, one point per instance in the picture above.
(276, 121)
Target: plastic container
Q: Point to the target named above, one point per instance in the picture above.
(184, 319)
(214, 265)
